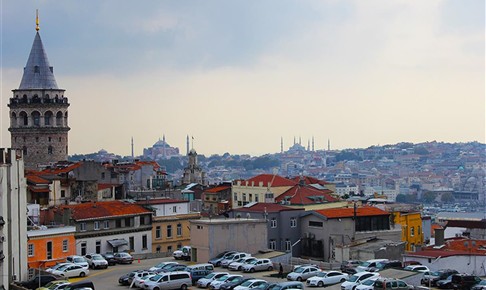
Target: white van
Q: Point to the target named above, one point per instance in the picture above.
(234, 257)
(170, 280)
(206, 266)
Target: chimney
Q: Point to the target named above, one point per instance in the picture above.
(439, 237)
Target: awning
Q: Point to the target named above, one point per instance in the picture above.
(117, 242)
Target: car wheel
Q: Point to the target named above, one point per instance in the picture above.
(300, 279)
(270, 268)
(183, 287)
(82, 274)
(320, 284)
(156, 288)
(252, 270)
(218, 264)
(342, 280)
(354, 288)
(239, 268)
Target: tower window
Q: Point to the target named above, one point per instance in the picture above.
(60, 139)
(24, 150)
(49, 150)
(50, 139)
(36, 139)
(36, 69)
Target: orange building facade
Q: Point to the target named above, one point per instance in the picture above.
(47, 247)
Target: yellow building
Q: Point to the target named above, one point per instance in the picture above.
(412, 232)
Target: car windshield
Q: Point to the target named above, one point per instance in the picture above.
(166, 266)
(155, 278)
(63, 267)
(353, 278)
(368, 282)
(230, 256)
(483, 282)
(364, 264)
(210, 275)
(321, 274)
(97, 258)
(234, 279)
(299, 270)
(275, 287)
(223, 278)
(380, 265)
(79, 260)
(434, 273)
(246, 283)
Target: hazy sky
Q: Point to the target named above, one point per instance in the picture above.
(239, 75)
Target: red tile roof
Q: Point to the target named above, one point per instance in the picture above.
(306, 195)
(36, 179)
(268, 207)
(454, 247)
(273, 180)
(161, 201)
(333, 213)
(218, 188)
(105, 209)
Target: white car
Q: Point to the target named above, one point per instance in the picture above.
(71, 271)
(139, 282)
(204, 282)
(364, 266)
(78, 260)
(327, 278)
(237, 265)
(417, 268)
(357, 279)
(258, 265)
(303, 273)
(160, 266)
(216, 284)
(249, 284)
(368, 284)
(233, 257)
(96, 261)
(57, 266)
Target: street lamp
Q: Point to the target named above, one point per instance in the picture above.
(291, 250)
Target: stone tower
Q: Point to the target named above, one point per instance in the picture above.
(39, 112)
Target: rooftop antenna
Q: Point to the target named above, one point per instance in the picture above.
(37, 20)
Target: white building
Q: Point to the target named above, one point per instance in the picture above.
(13, 218)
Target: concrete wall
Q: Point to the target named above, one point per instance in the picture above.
(211, 237)
(463, 264)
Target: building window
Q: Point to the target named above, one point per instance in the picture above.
(169, 249)
(157, 250)
(83, 248)
(82, 227)
(250, 197)
(273, 244)
(273, 223)
(256, 197)
(158, 232)
(144, 242)
(98, 247)
(412, 231)
(30, 250)
(49, 150)
(96, 225)
(49, 250)
(174, 209)
(288, 245)
(418, 231)
(36, 139)
(179, 230)
(132, 243)
(65, 245)
(293, 222)
(169, 231)
(50, 138)
(118, 223)
(128, 222)
(63, 193)
(244, 197)
(107, 224)
(235, 196)
(102, 175)
(315, 224)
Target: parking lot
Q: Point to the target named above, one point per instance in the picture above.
(107, 279)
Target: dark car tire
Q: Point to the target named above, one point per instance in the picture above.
(156, 288)
(320, 284)
(82, 274)
(270, 268)
(252, 270)
(183, 287)
(300, 279)
(218, 264)
(342, 280)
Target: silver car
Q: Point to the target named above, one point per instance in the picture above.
(302, 273)
(258, 265)
(204, 282)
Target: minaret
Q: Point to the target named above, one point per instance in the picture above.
(308, 145)
(281, 144)
(163, 146)
(294, 140)
(133, 156)
(187, 145)
(328, 144)
(39, 111)
(300, 140)
(313, 143)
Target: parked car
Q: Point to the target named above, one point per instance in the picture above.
(430, 278)
(258, 265)
(183, 253)
(364, 266)
(287, 286)
(81, 285)
(123, 258)
(216, 261)
(216, 284)
(174, 268)
(250, 284)
(204, 282)
(480, 286)
(233, 257)
(385, 265)
(229, 285)
(96, 261)
(327, 278)
(139, 282)
(166, 281)
(78, 260)
(356, 279)
(367, 284)
(37, 281)
(238, 265)
(417, 268)
(57, 266)
(198, 274)
(464, 281)
(303, 273)
(139, 275)
(70, 271)
(445, 283)
(125, 279)
(161, 265)
(303, 265)
(349, 266)
(110, 258)
(55, 285)
(395, 284)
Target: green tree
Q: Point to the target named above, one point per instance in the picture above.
(429, 197)
(447, 197)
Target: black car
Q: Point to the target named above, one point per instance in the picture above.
(127, 278)
(386, 265)
(234, 282)
(442, 274)
(464, 281)
(445, 284)
(110, 257)
(38, 281)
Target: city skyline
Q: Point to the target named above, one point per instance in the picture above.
(230, 73)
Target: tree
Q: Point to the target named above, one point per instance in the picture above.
(447, 197)
(429, 197)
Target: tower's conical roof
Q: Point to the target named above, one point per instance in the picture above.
(38, 74)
